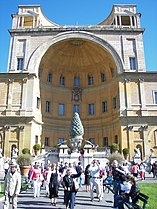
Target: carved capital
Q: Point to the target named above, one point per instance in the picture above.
(6, 127)
(10, 80)
(24, 80)
(130, 127)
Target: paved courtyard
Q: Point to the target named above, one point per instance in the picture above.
(26, 199)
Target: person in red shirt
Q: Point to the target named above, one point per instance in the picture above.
(35, 177)
(135, 169)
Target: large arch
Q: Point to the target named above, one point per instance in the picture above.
(34, 61)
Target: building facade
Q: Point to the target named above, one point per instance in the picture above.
(96, 70)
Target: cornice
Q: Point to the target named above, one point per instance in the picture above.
(76, 28)
(141, 76)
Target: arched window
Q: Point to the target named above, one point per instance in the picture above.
(103, 77)
(49, 77)
(76, 81)
(62, 80)
(116, 139)
(90, 79)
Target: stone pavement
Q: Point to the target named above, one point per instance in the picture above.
(26, 201)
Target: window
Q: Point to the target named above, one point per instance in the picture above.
(36, 139)
(112, 72)
(77, 108)
(103, 77)
(116, 139)
(61, 110)
(46, 141)
(49, 77)
(125, 20)
(132, 61)
(47, 106)
(90, 80)
(155, 137)
(92, 140)
(104, 106)
(28, 21)
(38, 102)
(62, 80)
(76, 81)
(105, 141)
(91, 109)
(60, 140)
(114, 103)
(20, 63)
(155, 97)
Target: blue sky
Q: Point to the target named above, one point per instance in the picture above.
(81, 12)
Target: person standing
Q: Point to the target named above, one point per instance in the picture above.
(69, 188)
(35, 177)
(54, 184)
(87, 178)
(135, 169)
(12, 186)
(118, 177)
(78, 170)
(142, 171)
(95, 180)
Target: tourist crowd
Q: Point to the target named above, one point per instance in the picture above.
(71, 176)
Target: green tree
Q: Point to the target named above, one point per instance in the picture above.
(114, 147)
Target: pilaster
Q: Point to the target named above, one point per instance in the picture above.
(7, 151)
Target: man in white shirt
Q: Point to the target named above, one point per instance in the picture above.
(95, 180)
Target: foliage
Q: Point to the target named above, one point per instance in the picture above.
(146, 188)
(37, 147)
(126, 151)
(24, 160)
(115, 156)
(26, 151)
(1, 189)
(114, 147)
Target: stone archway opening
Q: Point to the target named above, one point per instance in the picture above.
(81, 74)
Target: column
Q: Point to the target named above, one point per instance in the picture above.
(20, 139)
(24, 97)
(142, 96)
(130, 138)
(146, 144)
(22, 25)
(9, 98)
(7, 152)
(116, 20)
(122, 91)
(131, 21)
(120, 21)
